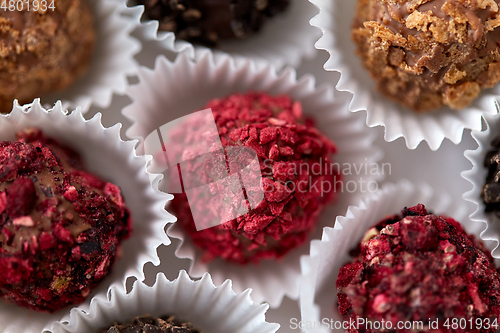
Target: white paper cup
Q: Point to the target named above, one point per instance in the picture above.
(318, 295)
(112, 61)
(335, 20)
(173, 90)
(490, 225)
(210, 308)
(285, 39)
(106, 155)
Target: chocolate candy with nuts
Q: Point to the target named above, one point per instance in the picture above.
(426, 54)
(43, 51)
(148, 324)
(60, 226)
(208, 21)
(491, 188)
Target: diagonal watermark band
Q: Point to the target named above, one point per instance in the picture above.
(204, 170)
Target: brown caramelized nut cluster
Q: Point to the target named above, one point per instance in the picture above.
(426, 54)
(43, 51)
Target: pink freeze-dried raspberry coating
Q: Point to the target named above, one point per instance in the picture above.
(419, 267)
(60, 227)
(290, 151)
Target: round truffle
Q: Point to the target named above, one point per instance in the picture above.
(61, 227)
(43, 51)
(418, 267)
(165, 324)
(268, 210)
(208, 21)
(426, 54)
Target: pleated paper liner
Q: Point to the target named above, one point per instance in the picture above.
(285, 39)
(173, 90)
(318, 295)
(490, 224)
(210, 308)
(108, 156)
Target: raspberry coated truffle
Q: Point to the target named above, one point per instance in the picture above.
(60, 226)
(43, 50)
(420, 267)
(294, 174)
(208, 21)
(426, 54)
(148, 324)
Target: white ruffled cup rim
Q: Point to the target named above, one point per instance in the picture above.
(334, 20)
(208, 307)
(107, 155)
(112, 61)
(327, 256)
(198, 82)
(477, 177)
(285, 39)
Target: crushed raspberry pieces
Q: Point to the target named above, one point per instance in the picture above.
(62, 234)
(67, 211)
(88, 179)
(14, 270)
(419, 267)
(268, 134)
(21, 197)
(415, 211)
(288, 146)
(3, 201)
(114, 193)
(71, 193)
(24, 221)
(46, 241)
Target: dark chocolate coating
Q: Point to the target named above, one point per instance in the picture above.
(147, 324)
(208, 21)
(491, 188)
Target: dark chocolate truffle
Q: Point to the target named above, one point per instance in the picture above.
(43, 51)
(418, 267)
(208, 21)
(60, 226)
(426, 54)
(491, 188)
(294, 170)
(148, 324)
